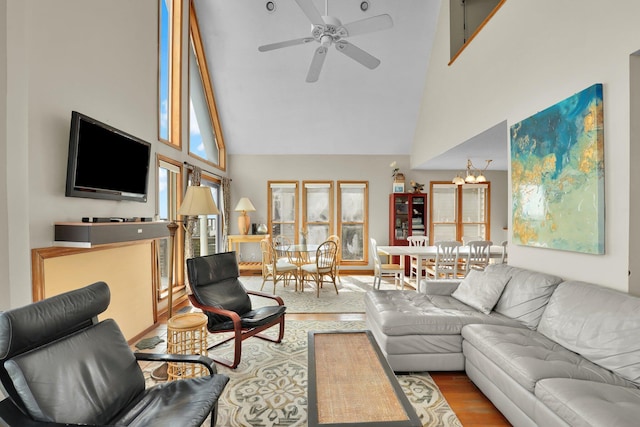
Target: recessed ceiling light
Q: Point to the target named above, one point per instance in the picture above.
(364, 6)
(270, 6)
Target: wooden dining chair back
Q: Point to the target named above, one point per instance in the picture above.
(275, 268)
(418, 270)
(447, 259)
(323, 267)
(335, 238)
(219, 293)
(478, 256)
(380, 269)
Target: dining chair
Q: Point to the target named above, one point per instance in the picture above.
(324, 266)
(416, 269)
(335, 238)
(380, 269)
(503, 258)
(275, 268)
(281, 241)
(477, 257)
(447, 259)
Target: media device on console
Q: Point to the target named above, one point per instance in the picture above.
(106, 163)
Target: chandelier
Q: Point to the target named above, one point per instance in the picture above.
(470, 177)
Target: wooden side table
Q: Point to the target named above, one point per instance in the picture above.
(187, 334)
(233, 244)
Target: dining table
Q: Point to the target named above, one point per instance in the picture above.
(428, 252)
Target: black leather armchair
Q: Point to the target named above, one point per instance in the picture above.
(60, 366)
(218, 292)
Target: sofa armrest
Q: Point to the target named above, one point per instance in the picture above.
(186, 358)
(439, 287)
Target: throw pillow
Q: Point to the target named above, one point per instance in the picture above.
(481, 290)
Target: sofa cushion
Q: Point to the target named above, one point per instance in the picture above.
(526, 295)
(601, 324)
(481, 290)
(528, 356)
(412, 313)
(588, 403)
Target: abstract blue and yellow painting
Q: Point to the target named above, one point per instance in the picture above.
(557, 174)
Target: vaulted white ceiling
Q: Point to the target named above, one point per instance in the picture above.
(264, 103)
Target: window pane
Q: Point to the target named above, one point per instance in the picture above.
(164, 69)
(284, 204)
(473, 204)
(317, 233)
(474, 231)
(352, 242)
(202, 138)
(444, 203)
(444, 232)
(317, 204)
(352, 205)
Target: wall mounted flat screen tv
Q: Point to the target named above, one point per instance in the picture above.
(106, 163)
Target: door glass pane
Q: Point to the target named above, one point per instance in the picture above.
(474, 231)
(352, 204)
(317, 233)
(444, 232)
(473, 204)
(444, 203)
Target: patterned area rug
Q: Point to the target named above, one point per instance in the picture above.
(269, 387)
(350, 297)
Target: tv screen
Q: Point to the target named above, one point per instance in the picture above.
(106, 163)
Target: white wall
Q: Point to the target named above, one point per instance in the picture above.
(531, 55)
(250, 175)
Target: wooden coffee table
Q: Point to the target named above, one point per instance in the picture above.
(351, 383)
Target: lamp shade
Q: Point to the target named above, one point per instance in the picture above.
(198, 201)
(245, 205)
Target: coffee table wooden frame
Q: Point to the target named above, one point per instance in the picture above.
(410, 417)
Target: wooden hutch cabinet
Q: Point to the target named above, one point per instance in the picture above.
(407, 217)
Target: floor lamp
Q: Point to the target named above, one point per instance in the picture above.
(197, 201)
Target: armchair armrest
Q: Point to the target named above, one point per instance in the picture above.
(185, 358)
(266, 295)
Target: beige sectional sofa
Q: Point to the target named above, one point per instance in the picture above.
(548, 353)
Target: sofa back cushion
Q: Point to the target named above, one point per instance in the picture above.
(85, 378)
(526, 294)
(600, 324)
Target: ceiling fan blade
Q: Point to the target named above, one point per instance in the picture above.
(316, 64)
(287, 43)
(367, 25)
(311, 11)
(357, 54)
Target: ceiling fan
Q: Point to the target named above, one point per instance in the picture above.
(328, 30)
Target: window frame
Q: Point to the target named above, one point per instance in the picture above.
(174, 101)
(305, 208)
(364, 222)
(296, 222)
(174, 200)
(195, 44)
(459, 220)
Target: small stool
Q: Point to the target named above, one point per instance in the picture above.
(187, 334)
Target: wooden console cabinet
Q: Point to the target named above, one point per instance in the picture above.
(233, 243)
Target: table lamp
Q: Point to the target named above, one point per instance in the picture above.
(244, 221)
